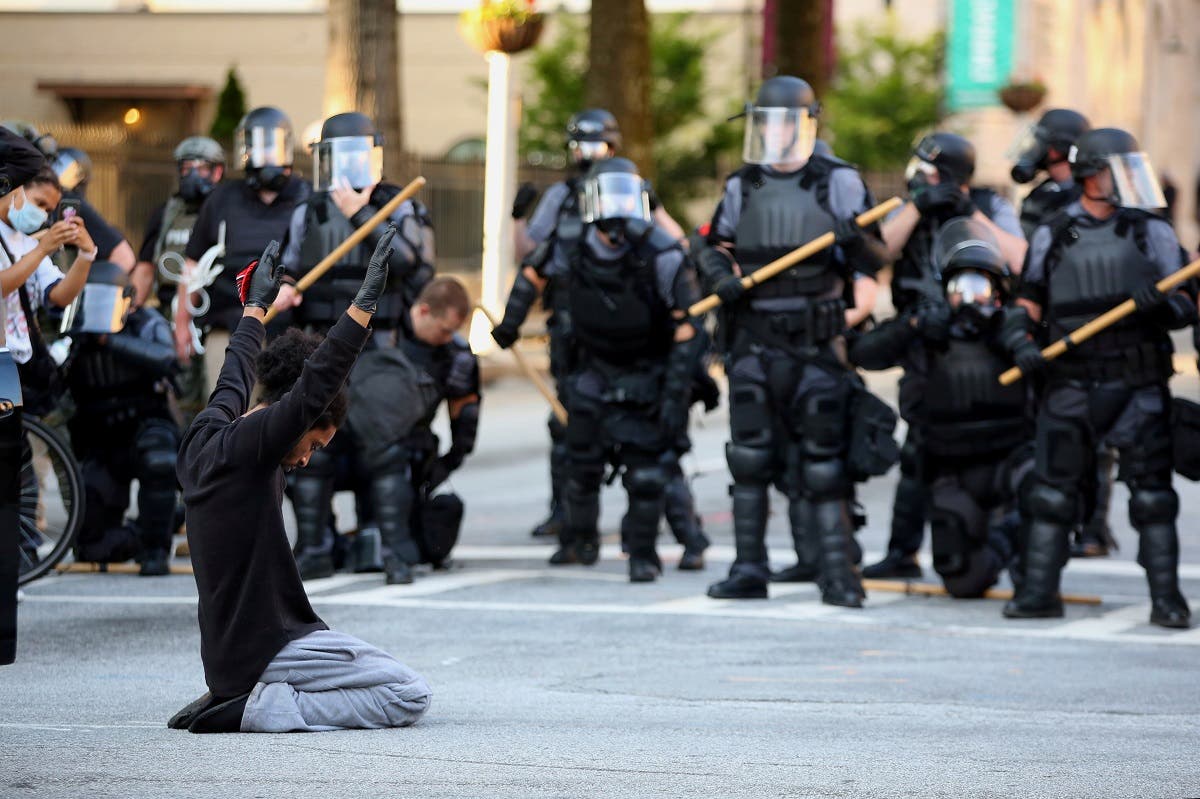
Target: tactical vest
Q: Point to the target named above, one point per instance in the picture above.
(568, 232)
(779, 213)
(110, 389)
(325, 228)
(1089, 269)
(1043, 203)
(966, 410)
(915, 263)
(616, 312)
(453, 370)
(177, 223)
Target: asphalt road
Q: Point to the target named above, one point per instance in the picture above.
(573, 683)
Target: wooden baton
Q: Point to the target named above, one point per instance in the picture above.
(355, 238)
(560, 412)
(1103, 321)
(785, 262)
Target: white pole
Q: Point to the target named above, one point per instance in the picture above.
(500, 185)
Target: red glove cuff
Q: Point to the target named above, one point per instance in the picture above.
(243, 280)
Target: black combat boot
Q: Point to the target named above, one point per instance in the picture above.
(312, 495)
(749, 573)
(552, 525)
(1036, 596)
(1153, 513)
(392, 496)
(909, 510)
(895, 566)
(808, 549)
(838, 582)
(680, 510)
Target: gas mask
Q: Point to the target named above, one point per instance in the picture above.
(194, 187)
(268, 178)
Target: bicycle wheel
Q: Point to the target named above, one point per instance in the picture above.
(52, 496)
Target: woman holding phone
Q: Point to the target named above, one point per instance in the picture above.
(29, 280)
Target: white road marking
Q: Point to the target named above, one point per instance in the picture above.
(327, 584)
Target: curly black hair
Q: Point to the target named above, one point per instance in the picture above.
(279, 366)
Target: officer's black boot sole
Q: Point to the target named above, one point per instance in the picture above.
(799, 573)
(221, 718)
(894, 567)
(642, 571)
(1014, 609)
(691, 561)
(155, 564)
(842, 596)
(1171, 612)
(564, 556)
(587, 552)
(550, 528)
(738, 587)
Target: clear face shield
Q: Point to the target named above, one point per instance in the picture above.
(101, 308)
(70, 172)
(262, 147)
(615, 195)
(1134, 182)
(918, 174)
(585, 152)
(778, 135)
(356, 161)
(964, 242)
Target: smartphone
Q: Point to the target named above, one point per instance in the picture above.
(68, 209)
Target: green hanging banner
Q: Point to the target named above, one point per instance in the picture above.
(979, 56)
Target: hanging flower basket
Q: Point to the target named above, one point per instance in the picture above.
(1021, 97)
(506, 26)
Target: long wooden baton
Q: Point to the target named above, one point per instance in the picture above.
(560, 412)
(785, 262)
(1105, 320)
(355, 238)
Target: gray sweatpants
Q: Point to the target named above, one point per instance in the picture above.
(332, 681)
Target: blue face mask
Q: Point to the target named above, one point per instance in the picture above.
(29, 218)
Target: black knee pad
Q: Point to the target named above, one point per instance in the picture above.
(1152, 505)
(392, 459)
(750, 414)
(1150, 459)
(824, 479)
(1050, 502)
(1064, 452)
(980, 571)
(749, 464)
(959, 527)
(157, 446)
(823, 424)
(646, 482)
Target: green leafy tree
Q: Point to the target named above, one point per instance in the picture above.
(887, 90)
(688, 146)
(231, 107)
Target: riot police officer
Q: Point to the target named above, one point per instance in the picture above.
(119, 373)
(238, 219)
(1045, 148)
(592, 135)
(1111, 389)
(789, 388)
(939, 175)
(348, 190)
(974, 431)
(200, 165)
(628, 291)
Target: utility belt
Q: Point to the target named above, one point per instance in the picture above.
(1139, 365)
(630, 386)
(817, 322)
(979, 438)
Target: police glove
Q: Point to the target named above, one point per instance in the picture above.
(1148, 299)
(505, 335)
(438, 473)
(375, 280)
(527, 193)
(944, 199)
(1029, 358)
(847, 234)
(932, 320)
(673, 415)
(258, 283)
(730, 289)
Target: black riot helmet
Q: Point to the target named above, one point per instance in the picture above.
(190, 156)
(1058, 130)
(350, 152)
(264, 142)
(45, 143)
(73, 168)
(951, 154)
(1134, 183)
(592, 135)
(614, 197)
(974, 274)
(781, 124)
(104, 304)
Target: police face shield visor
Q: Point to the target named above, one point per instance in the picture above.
(1135, 184)
(588, 151)
(920, 171)
(778, 135)
(262, 147)
(972, 290)
(101, 308)
(70, 172)
(964, 242)
(354, 161)
(615, 195)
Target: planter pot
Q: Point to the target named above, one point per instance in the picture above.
(1022, 98)
(503, 35)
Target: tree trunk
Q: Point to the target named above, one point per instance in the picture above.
(362, 70)
(618, 75)
(800, 41)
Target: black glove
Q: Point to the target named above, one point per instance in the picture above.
(527, 193)
(375, 280)
(944, 199)
(932, 320)
(505, 335)
(438, 472)
(258, 283)
(1148, 299)
(730, 289)
(847, 234)
(1029, 359)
